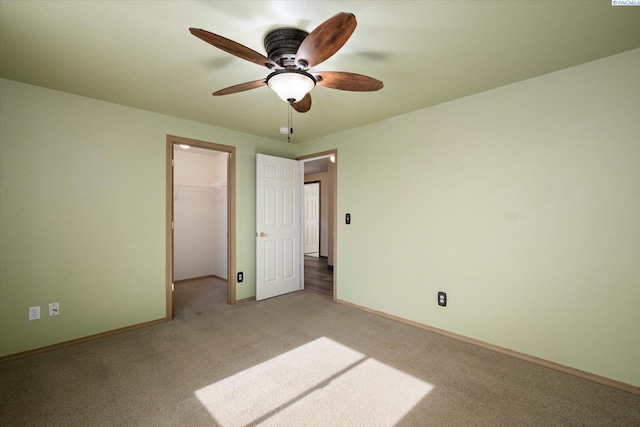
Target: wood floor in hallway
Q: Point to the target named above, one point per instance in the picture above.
(318, 277)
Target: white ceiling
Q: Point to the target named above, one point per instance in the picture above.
(141, 54)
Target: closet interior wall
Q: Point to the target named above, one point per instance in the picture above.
(200, 213)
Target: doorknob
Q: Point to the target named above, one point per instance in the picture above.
(261, 234)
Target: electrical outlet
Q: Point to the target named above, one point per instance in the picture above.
(240, 277)
(54, 309)
(442, 299)
(34, 313)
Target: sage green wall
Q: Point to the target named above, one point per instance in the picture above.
(82, 212)
(522, 203)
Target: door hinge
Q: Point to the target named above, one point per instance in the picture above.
(173, 287)
(171, 162)
(172, 225)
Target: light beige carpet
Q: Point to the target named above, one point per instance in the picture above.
(296, 360)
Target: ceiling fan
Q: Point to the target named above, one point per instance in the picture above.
(291, 53)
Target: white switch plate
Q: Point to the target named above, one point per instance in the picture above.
(54, 309)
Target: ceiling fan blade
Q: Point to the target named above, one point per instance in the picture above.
(233, 48)
(303, 105)
(348, 81)
(325, 40)
(241, 87)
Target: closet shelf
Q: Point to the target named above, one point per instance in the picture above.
(210, 187)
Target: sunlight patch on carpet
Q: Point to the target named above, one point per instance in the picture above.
(320, 383)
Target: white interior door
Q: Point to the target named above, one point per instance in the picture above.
(312, 219)
(278, 230)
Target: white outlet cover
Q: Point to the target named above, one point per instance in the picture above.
(34, 313)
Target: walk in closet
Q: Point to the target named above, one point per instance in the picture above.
(200, 213)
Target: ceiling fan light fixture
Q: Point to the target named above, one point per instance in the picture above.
(291, 85)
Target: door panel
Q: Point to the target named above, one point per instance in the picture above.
(288, 261)
(270, 251)
(312, 219)
(289, 208)
(278, 246)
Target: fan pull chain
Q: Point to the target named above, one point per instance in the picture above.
(290, 123)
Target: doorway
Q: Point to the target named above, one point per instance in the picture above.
(320, 268)
(218, 193)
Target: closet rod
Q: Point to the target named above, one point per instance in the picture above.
(205, 186)
(217, 185)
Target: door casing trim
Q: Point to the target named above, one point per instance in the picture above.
(231, 215)
(334, 211)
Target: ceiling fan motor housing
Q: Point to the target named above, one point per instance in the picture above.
(282, 44)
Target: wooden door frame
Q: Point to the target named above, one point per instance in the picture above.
(231, 214)
(333, 213)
